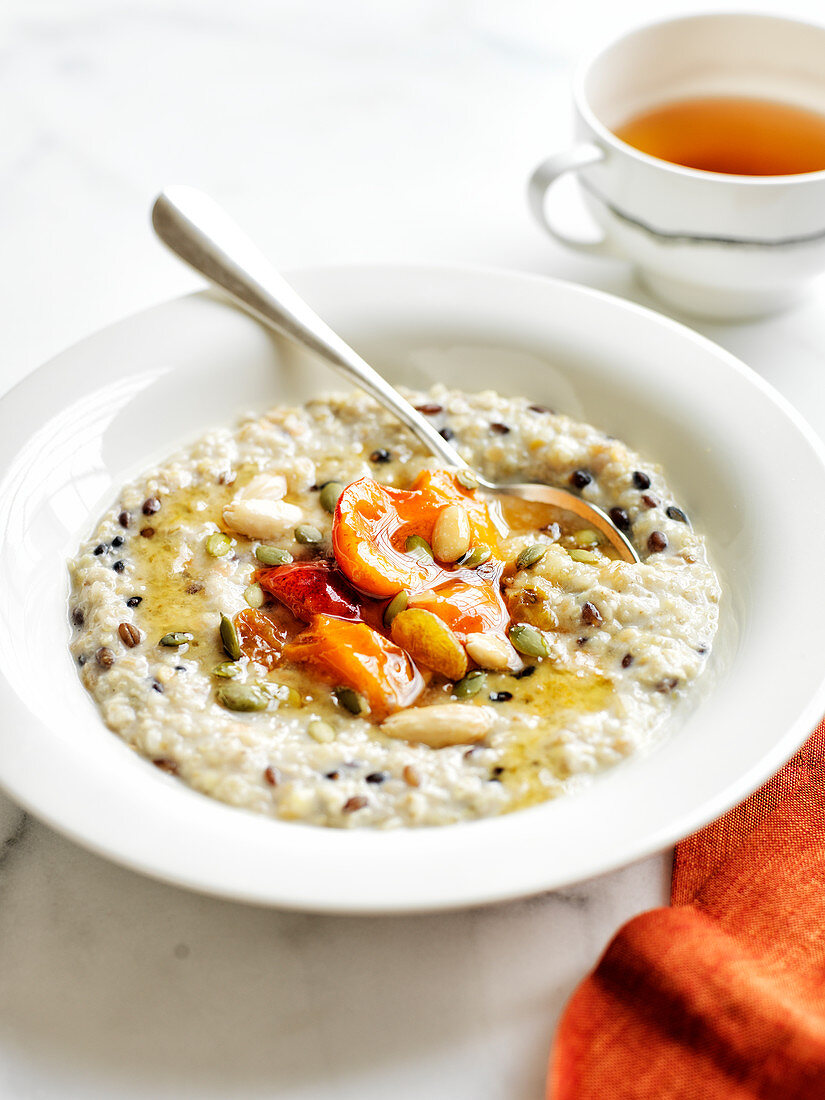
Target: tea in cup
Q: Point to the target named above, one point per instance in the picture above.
(701, 157)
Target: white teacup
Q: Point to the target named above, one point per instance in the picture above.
(708, 243)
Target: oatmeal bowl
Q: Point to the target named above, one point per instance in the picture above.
(257, 642)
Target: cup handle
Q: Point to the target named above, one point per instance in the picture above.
(542, 180)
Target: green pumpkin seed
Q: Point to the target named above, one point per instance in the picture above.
(242, 696)
(475, 556)
(254, 595)
(176, 638)
(307, 534)
(227, 670)
(526, 639)
(419, 548)
(586, 556)
(468, 479)
(472, 683)
(329, 495)
(530, 555)
(397, 604)
(272, 555)
(218, 544)
(587, 537)
(351, 700)
(230, 639)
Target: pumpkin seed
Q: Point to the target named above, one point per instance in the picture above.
(475, 556)
(176, 638)
(397, 604)
(307, 534)
(254, 595)
(242, 696)
(351, 700)
(526, 639)
(419, 548)
(218, 544)
(226, 670)
(587, 537)
(320, 731)
(530, 555)
(272, 555)
(329, 494)
(285, 694)
(229, 638)
(586, 556)
(472, 683)
(468, 479)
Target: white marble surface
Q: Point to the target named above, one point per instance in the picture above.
(335, 132)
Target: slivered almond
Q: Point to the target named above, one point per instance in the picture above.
(440, 725)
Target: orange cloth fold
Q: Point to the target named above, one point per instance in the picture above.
(721, 996)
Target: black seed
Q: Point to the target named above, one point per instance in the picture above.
(499, 428)
(124, 519)
(540, 409)
(676, 513)
(581, 641)
(500, 696)
(133, 601)
(664, 687)
(381, 455)
(78, 618)
(657, 542)
(82, 659)
(166, 765)
(528, 670)
(118, 540)
(119, 566)
(429, 410)
(333, 775)
(650, 501)
(180, 668)
(640, 480)
(627, 660)
(447, 433)
(377, 777)
(151, 506)
(620, 518)
(157, 686)
(101, 549)
(702, 649)
(591, 615)
(580, 478)
(497, 770)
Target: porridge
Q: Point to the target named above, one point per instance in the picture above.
(307, 618)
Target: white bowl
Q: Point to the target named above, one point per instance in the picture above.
(743, 463)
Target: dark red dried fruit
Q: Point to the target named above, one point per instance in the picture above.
(429, 410)
(147, 532)
(591, 615)
(580, 478)
(650, 501)
(620, 517)
(499, 428)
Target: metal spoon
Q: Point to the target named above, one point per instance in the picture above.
(198, 231)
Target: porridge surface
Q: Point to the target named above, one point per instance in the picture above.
(623, 642)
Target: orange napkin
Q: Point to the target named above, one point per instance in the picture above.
(722, 995)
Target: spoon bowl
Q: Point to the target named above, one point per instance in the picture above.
(201, 234)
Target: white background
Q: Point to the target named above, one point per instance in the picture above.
(335, 131)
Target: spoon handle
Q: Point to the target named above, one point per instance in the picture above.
(197, 230)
